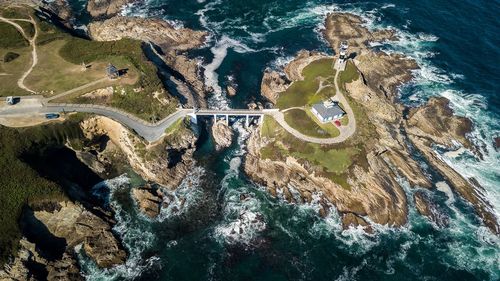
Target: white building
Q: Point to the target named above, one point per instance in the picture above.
(327, 111)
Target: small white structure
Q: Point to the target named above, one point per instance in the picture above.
(343, 50)
(327, 111)
(10, 100)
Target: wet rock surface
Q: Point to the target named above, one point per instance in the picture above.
(149, 200)
(106, 8)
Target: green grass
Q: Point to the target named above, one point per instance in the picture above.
(302, 93)
(11, 37)
(28, 28)
(335, 162)
(306, 123)
(142, 103)
(19, 183)
(332, 160)
(349, 75)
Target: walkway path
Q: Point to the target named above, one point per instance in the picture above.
(32, 41)
(76, 89)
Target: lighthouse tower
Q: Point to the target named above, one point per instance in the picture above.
(341, 62)
(343, 51)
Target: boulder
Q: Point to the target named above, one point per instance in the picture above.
(272, 84)
(149, 200)
(222, 134)
(352, 220)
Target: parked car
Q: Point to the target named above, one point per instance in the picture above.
(51, 115)
(337, 123)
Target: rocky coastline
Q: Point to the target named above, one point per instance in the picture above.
(374, 195)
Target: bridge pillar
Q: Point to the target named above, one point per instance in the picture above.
(247, 121)
(227, 120)
(261, 119)
(215, 118)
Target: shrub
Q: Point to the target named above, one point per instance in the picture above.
(10, 56)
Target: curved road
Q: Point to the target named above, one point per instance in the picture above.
(345, 131)
(32, 42)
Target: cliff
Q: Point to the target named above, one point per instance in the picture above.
(166, 162)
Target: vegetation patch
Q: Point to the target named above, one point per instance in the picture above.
(11, 37)
(303, 92)
(305, 123)
(349, 75)
(19, 183)
(10, 56)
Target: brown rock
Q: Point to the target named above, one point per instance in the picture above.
(79, 226)
(149, 200)
(158, 31)
(352, 220)
(106, 8)
(222, 134)
(435, 120)
(61, 10)
(231, 90)
(496, 143)
(272, 84)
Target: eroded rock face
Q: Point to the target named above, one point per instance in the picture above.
(106, 8)
(166, 162)
(222, 134)
(149, 200)
(61, 10)
(352, 220)
(155, 30)
(272, 84)
(79, 226)
(427, 208)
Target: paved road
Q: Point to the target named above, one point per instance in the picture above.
(345, 131)
(32, 41)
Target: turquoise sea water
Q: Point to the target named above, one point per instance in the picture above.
(221, 226)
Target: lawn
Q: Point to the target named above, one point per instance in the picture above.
(333, 160)
(64, 76)
(303, 92)
(349, 75)
(306, 123)
(11, 37)
(13, 70)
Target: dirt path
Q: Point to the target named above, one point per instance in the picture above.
(32, 41)
(76, 89)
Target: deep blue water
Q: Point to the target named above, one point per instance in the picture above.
(456, 44)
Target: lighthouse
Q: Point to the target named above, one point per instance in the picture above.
(343, 56)
(343, 51)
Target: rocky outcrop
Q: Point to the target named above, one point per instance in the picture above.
(222, 134)
(166, 162)
(106, 8)
(81, 227)
(26, 266)
(272, 84)
(427, 208)
(352, 220)
(173, 42)
(348, 27)
(148, 199)
(61, 11)
(231, 90)
(372, 189)
(153, 30)
(293, 69)
(373, 193)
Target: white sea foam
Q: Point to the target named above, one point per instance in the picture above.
(184, 197)
(135, 237)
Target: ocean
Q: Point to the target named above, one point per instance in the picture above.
(209, 233)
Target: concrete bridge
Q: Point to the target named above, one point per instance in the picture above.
(226, 113)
